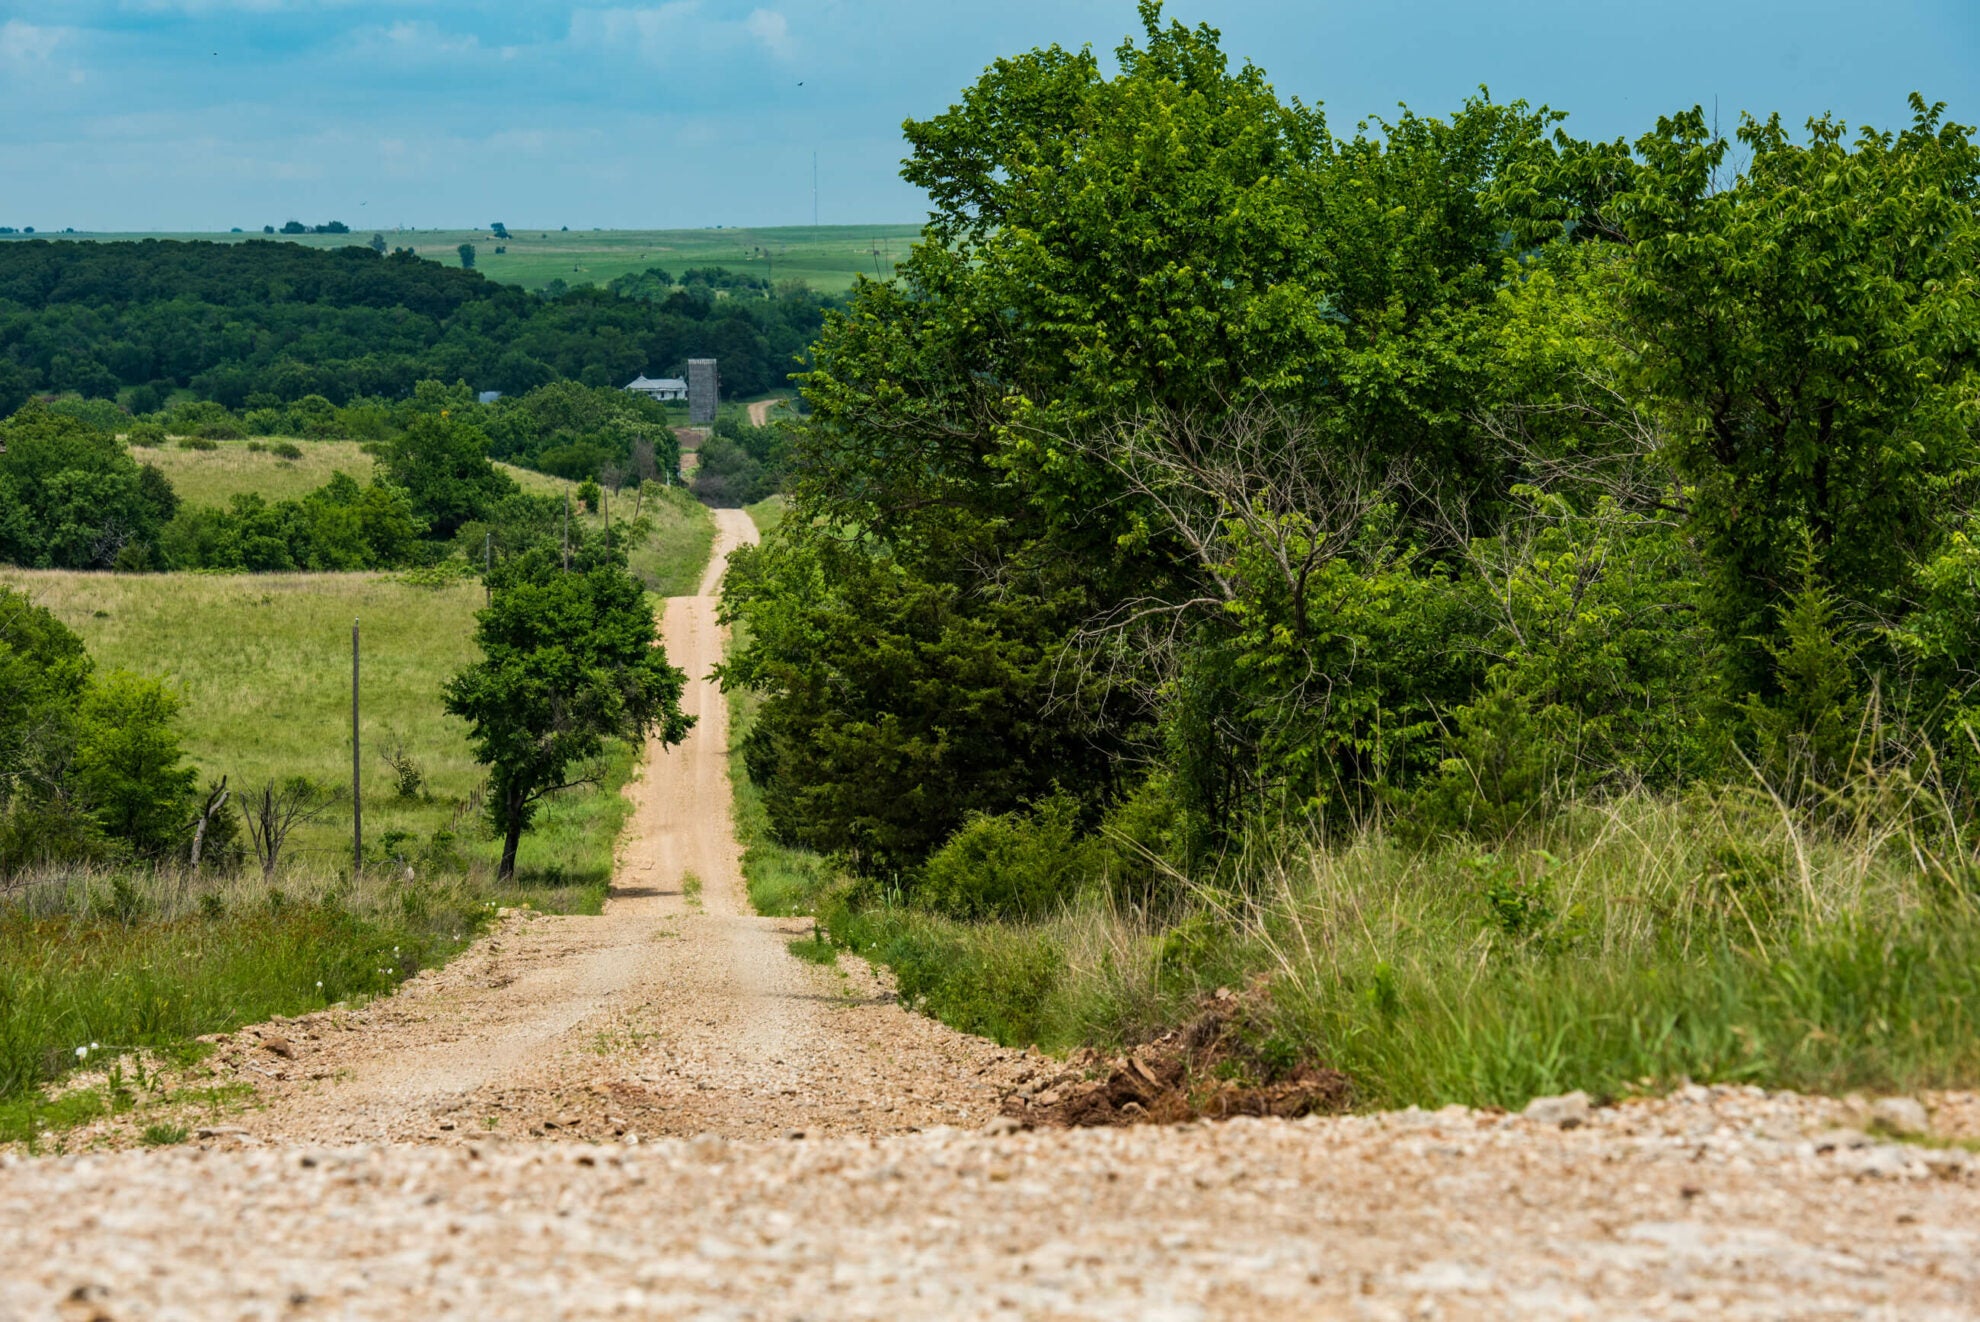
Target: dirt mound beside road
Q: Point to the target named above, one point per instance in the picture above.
(1214, 1067)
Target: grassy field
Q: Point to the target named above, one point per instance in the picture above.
(767, 513)
(232, 468)
(140, 963)
(825, 257)
(137, 966)
(262, 663)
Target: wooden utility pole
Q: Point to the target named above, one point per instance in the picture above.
(357, 766)
(487, 567)
(567, 530)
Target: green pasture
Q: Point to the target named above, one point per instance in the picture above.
(235, 468)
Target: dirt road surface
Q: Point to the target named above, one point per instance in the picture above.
(759, 412)
(660, 1112)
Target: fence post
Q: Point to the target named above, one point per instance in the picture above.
(357, 766)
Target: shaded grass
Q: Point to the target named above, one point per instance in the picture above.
(766, 514)
(671, 560)
(814, 950)
(781, 881)
(1651, 943)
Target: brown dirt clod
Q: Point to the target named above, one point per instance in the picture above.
(1209, 1068)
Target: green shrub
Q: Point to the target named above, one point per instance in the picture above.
(130, 765)
(197, 443)
(286, 450)
(148, 434)
(1011, 866)
(102, 414)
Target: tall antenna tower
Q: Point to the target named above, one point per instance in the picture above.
(814, 190)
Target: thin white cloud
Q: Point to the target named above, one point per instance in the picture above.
(769, 27)
(415, 39)
(652, 34)
(680, 29)
(29, 44)
(35, 56)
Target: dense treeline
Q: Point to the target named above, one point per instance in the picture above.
(263, 324)
(1205, 468)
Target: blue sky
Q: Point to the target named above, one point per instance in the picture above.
(203, 114)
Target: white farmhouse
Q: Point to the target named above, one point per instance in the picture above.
(666, 388)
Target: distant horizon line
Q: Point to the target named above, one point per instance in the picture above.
(517, 231)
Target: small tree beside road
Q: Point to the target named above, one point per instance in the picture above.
(569, 660)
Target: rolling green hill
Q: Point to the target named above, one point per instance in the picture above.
(824, 257)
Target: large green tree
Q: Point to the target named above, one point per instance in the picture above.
(1806, 322)
(1117, 262)
(441, 463)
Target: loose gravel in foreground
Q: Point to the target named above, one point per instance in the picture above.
(1713, 1204)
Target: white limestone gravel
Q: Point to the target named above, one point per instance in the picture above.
(1713, 1204)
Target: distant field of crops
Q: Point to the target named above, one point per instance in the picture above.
(824, 257)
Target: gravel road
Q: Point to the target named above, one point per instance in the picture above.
(1713, 1206)
(659, 1112)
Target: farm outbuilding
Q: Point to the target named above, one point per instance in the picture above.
(664, 388)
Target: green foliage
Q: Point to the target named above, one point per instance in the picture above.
(1012, 866)
(339, 526)
(583, 432)
(44, 673)
(129, 762)
(568, 661)
(442, 465)
(895, 707)
(233, 321)
(71, 497)
(587, 493)
(102, 414)
(1808, 327)
(1814, 732)
(740, 464)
